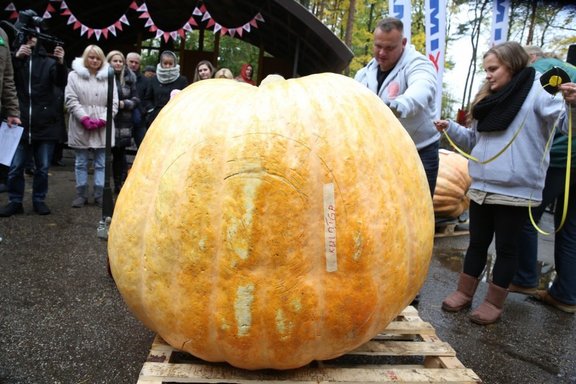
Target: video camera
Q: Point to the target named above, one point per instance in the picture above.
(29, 24)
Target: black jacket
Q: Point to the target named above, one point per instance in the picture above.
(158, 95)
(40, 82)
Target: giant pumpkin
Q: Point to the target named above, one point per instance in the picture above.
(275, 225)
(453, 181)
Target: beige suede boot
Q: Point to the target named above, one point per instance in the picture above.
(462, 298)
(491, 308)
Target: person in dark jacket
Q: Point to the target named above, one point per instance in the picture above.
(36, 75)
(139, 114)
(128, 102)
(167, 79)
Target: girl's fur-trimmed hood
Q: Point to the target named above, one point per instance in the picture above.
(79, 67)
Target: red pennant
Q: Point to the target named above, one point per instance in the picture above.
(134, 6)
(105, 33)
(153, 28)
(76, 25)
(193, 22)
(223, 31)
(182, 33)
(144, 15)
(118, 25)
(166, 36)
(253, 23)
(90, 32)
(202, 8)
(14, 15)
(211, 22)
(65, 12)
(239, 31)
(50, 8)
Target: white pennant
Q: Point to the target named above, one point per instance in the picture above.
(217, 27)
(232, 32)
(159, 33)
(197, 12)
(83, 30)
(206, 16)
(71, 20)
(124, 20)
(246, 27)
(112, 30)
(142, 8)
(149, 23)
(63, 5)
(174, 35)
(97, 32)
(187, 27)
(47, 15)
(10, 7)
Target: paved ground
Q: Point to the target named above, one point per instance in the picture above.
(62, 320)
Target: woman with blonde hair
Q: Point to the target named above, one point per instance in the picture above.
(124, 123)
(512, 117)
(224, 73)
(86, 97)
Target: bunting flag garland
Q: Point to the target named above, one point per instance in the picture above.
(199, 12)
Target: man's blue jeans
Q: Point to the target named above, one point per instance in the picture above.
(41, 151)
(564, 286)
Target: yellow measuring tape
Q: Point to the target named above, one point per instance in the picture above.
(566, 184)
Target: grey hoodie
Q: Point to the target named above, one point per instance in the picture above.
(412, 86)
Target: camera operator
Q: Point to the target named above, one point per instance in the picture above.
(38, 76)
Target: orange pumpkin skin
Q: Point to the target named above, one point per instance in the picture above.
(271, 226)
(453, 181)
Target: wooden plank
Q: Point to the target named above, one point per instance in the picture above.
(197, 373)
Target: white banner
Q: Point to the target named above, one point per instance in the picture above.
(435, 11)
(500, 11)
(402, 9)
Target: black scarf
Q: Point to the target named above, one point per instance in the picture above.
(496, 111)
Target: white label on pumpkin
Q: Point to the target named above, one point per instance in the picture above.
(330, 228)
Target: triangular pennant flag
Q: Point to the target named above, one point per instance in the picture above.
(253, 23)
(192, 21)
(144, 15)
(149, 23)
(46, 15)
(83, 30)
(153, 28)
(246, 27)
(90, 32)
(239, 31)
(124, 19)
(187, 27)
(98, 32)
(50, 8)
(10, 7)
(166, 36)
(217, 27)
(105, 33)
(197, 12)
(77, 25)
(134, 6)
(211, 22)
(14, 15)
(63, 5)
(182, 33)
(203, 8)
(232, 32)
(66, 12)
(223, 31)
(259, 18)
(159, 33)
(112, 30)
(118, 25)
(71, 19)
(143, 8)
(206, 16)
(174, 35)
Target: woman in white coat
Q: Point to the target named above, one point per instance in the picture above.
(86, 100)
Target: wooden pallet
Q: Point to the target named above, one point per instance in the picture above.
(408, 351)
(451, 229)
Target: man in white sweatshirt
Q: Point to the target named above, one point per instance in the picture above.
(405, 80)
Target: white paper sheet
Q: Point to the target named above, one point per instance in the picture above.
(9, 139)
